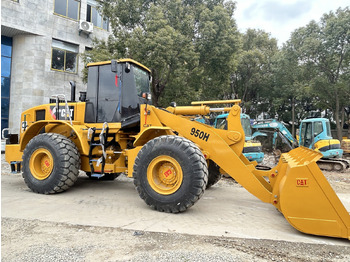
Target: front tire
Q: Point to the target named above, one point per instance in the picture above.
(51, 163)
(170, 173)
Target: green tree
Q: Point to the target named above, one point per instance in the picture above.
(290, 96)
(252, 81)
(323, 53)
(190, 45)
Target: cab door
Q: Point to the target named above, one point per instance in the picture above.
(306, 136)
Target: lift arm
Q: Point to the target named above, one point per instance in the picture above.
(296, 186)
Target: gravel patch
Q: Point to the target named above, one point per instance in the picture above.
(34, 240)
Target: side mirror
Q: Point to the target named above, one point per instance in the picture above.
(114, 66)
(127, 67)
(147, 96)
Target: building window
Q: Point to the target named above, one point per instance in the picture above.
(67, 8)
(64, 56)
(6, 55)
(87, 56)
(93, 16)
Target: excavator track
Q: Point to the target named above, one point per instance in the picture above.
(339, 165)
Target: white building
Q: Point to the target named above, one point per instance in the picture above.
(41, 41)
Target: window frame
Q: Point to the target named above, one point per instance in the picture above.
(65, 59)
(66, 16)
(7, 98)
(102, 17)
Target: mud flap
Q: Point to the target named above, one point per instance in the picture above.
(307, 200)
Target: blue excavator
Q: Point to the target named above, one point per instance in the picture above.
(314, 133)
(252, 149)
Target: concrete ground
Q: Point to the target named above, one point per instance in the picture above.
(226, 212)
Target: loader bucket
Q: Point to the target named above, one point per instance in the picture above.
(307, 200)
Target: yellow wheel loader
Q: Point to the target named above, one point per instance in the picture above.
(114, 129)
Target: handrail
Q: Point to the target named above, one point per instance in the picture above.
(67, 113)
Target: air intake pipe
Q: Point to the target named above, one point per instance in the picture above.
(72, 91)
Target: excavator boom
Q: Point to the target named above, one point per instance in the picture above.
(318, 139)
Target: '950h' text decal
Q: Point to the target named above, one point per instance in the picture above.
(200, 134)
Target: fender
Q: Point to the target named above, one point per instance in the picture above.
(35, 128)
(151, 132)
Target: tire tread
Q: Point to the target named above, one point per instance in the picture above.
(69, 161)
(198, 169)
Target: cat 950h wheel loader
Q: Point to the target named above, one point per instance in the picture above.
(114, 129)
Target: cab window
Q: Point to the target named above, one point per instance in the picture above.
(318, 128)
(328, 126)
(221, 123)
(246, 126)
(142, 81)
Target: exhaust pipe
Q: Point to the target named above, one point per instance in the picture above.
(72, 91)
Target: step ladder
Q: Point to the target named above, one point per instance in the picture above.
(98, 140)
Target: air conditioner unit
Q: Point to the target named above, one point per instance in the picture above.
(86, 27)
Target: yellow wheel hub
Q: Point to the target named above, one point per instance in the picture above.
(164, 175)
(41, 163)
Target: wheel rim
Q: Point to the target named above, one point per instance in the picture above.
(41, 163)
(164, 175)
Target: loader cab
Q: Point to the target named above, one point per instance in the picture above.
(115, 90)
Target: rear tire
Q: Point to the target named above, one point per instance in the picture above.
(51, 163)
(214, 174)
(170, 173)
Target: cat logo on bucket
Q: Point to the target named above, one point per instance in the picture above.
(302, 182)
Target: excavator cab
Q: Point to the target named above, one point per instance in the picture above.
(252, 149)
(306, 134)
(315, 133)
(115, 91)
